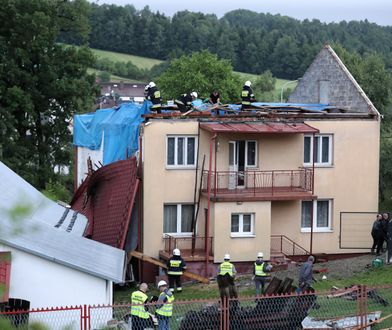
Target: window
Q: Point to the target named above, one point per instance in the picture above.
(242, 225)
(181, 151)
(250, 153)
(177, 218)
(322, 150)
(324, 91)
(321, 215)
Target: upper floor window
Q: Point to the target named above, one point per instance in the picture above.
(181, 151)
(324, 91)
(321, 148)
(242, 224)
(321, 215)
(177, 218)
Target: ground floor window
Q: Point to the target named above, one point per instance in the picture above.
(177, 218)
(322, 210)
(242, 224)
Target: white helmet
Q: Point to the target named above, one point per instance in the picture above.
(260, 255)
(151, 84)
(248, 83)
(227, 256)
(194, 94)
(176, 252)
(161, 283)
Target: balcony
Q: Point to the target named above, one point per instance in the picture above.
(228, 186)
(198, 253)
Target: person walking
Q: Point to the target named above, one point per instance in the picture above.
(154, 95)
(175, 268)
(247, 95)
(377, 235)
(306, 275)
(164, 306)
(385, 221)
(226, 278)
(261, 273)
(139, 312)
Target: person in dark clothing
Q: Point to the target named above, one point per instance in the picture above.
(385, 221)
(214, 97)
(154, 95)
(306, 275)
(261, 272)
(377, 235)
(175, 268)
(389, 242)
(247, 95)
(184, 103)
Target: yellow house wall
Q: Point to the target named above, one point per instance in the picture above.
(351, 182)
(241, 248)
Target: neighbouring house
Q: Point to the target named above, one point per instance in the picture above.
(282, 178)
(44, 259)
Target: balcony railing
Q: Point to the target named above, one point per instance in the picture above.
(300, 180)
(189, 246)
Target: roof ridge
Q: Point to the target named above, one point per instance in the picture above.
(351, 78)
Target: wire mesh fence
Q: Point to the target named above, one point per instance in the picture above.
(358, 307)
(67, 318)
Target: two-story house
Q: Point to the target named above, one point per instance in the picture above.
(255, 181)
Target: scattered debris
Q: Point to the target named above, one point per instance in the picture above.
(346, 322)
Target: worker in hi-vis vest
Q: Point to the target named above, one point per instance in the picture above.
(164, 306)
(139, 312)
(175, 269)
(226, 277)
(261, 273)
(247, 95)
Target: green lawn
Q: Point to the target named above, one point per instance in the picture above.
(148, 63)
(114, 78)
(141, 62)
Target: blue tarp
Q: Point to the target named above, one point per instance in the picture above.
(120, 128)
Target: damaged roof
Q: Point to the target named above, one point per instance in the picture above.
(107, 197)
(32, 223)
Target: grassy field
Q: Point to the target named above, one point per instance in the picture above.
(141, 62)
(114, 78)
(148, 63)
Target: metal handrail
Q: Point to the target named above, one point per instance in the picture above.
(291, 242)
(224, 181)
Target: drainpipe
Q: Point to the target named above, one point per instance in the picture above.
(207, 244)
(312, 208)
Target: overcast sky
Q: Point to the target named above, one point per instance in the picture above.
(377, 11)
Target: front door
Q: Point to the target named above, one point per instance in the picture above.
(236, 164)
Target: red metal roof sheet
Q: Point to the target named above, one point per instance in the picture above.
(106, 198)
(258, 127)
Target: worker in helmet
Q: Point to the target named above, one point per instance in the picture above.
(154, 95)
(226, 276)
(139, 312)
(247, 95)
(184, 103)
(261, 273)
(164, 306)
(175, 269)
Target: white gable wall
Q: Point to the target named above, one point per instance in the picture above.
(45, 283)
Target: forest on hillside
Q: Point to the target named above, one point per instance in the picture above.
(253, 42)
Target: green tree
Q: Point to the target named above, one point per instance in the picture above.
(42, 83)
(265, 87)
(201, 72)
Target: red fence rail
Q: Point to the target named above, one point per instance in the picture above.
(259, 181)
(358, 307)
